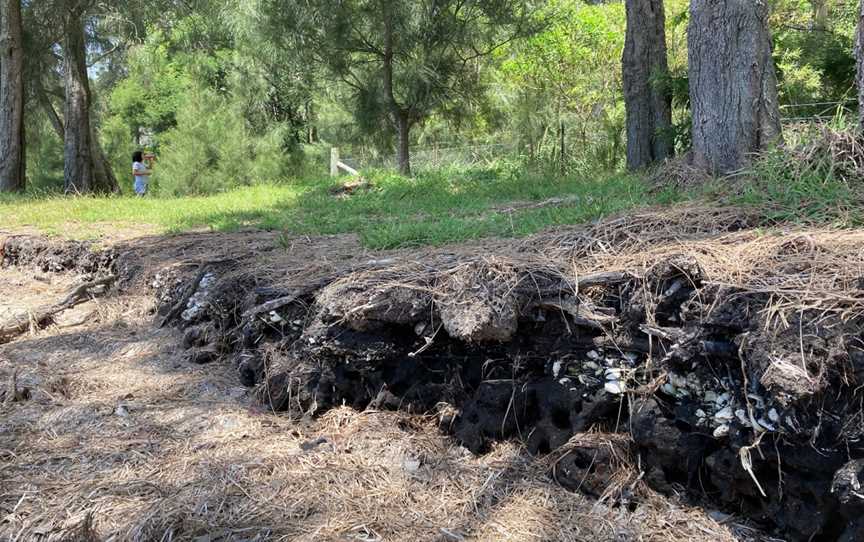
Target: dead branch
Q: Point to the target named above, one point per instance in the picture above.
(22, 323)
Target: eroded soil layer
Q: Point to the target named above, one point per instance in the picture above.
(732, 360)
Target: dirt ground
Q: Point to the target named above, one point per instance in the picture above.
(120, 439)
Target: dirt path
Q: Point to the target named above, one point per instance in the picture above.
(121, 439)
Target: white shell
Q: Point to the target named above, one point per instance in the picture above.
(724, 414)
(773, 415)
(614, 388)
(721, 431)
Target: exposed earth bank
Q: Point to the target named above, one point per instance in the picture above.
(691, 352)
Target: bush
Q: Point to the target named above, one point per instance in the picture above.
(118, 145)
(44, 156)
(211, 149)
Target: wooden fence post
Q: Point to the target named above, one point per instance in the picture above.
(334, 162)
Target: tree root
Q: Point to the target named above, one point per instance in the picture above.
(31, 321)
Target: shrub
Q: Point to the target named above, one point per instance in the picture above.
(211, 149)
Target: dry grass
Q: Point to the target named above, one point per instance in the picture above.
(800, 269)
(123, 441)
(677, 174)
(796, 268)
(835, 153)
(137, 447)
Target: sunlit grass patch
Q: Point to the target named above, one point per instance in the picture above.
(433, 208)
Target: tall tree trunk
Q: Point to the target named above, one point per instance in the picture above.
(85, 168)
(648, 104)
(733, 85)
(12, 162)
(859, 53)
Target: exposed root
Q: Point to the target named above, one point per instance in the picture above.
(23, 323)
(678, 351)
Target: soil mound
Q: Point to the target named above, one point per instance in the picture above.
(720, 361)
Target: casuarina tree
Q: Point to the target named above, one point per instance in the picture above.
(403, 60)
(86, 169)
(12, 163)
(733, 84)
(645, 70)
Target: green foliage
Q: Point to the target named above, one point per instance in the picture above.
(44, 157)
(400, 61)
(153, 90)
(213, 112)
(239, 93)
(816, 182)
(198, 158)
(809, 198)
(814, 57)
(570, 74)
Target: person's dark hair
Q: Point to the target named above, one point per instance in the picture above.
(138, 156)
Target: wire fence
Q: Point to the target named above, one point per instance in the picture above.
(435, 157)
(797, 119)
(817, 112)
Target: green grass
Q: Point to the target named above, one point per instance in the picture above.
(436, 208)
(440, 207)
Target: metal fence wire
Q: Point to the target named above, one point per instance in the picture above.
(817, 112)
(428, 158)
(794, 117)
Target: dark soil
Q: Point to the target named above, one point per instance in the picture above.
(52, 256)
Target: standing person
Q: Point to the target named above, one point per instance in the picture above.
(141, 170)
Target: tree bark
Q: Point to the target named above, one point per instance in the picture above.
(820, 14)
(85, 169)
(12, 159)
(733, 84)
(859, 54)
(51, 113)
(403, 156)
(400, 115)
(648, 104)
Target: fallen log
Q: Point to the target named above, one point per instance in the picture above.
(584, 314)
(22, 323)
(276, 304)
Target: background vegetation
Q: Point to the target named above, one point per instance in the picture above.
(226, 100)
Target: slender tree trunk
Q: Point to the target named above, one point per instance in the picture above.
(12, 160)
(820, 14)
(733, 85)
(311, 130)
(648, 104)
(859, 53)
(403, 156)
(85, 169)
(562, 141)
(51, 113)
(400, 116)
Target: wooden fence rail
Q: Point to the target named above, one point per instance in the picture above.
(336, 165)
